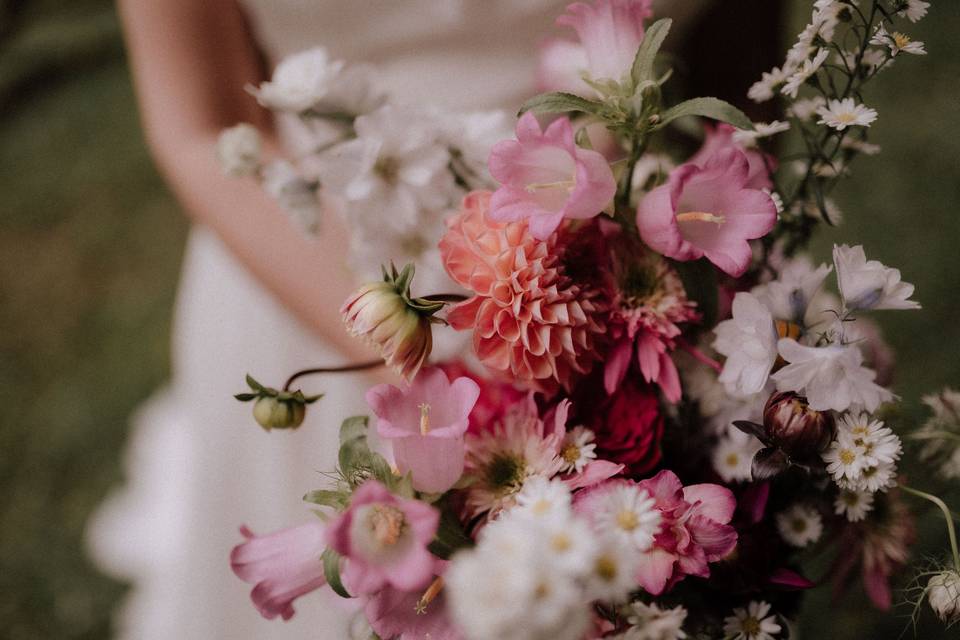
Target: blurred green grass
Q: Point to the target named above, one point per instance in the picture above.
(91, 243)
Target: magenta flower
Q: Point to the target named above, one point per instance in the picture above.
(694, 531)
(282, 566)
(707, 211)
(720, 138)
(545, 177)
(384, 539)
(610, 32)
(426, 424)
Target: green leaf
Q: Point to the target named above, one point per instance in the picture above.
(331, 571)
(327, 498)
(246, 397)
(357, 461)
(708, 108)
(642, 69)
(253, 384)
(559, 102)
(700, 281)
(450, 534)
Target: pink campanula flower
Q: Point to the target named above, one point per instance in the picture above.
(609, 31)
(719, 138)
(282, 566)
(384, 539)
(496, 396)
(546, 177)
(410, 616)
(708, 211)
(426, 424)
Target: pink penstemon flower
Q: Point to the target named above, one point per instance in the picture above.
(707, 211)
(426, 424)
(384, 540)
(546, 177)
(283, 566)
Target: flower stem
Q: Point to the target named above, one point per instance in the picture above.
(347, 368)
(700, 356)
(951, 532)
(445, 297)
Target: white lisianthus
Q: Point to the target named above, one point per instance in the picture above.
(831, 377)
(749, 341)
(791, 294)
(295, 195)
(840, 114)
(800, 525)
(239, 149)
(868, 284)
(943, 593)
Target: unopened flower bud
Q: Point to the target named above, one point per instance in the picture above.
(387, 318)
(238, 149)
(275, 409)
(943, 593)
(796, 429)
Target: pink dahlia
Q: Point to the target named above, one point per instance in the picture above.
(546, 177)
(651, 302)
(283, 566)
(708, 211)
(530, 319)
(719, 138)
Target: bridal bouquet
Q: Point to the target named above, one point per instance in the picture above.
(667, 415)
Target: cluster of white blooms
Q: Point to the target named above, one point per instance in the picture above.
(536, 569)
(800, 525)
(751, 623)
(862, 459)
(824, 362)
(239, 149)
(651, 622)
(941, 433)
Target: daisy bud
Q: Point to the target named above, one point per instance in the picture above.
(792, 426)
(943, 592)
(396, 325)
(274, 409)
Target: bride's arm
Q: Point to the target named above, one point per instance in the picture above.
(191, 61)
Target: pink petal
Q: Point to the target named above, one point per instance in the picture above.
(618, 361)
(792, 579)
(654, 568)
(717, 540)
(716, 502)
(593, 472)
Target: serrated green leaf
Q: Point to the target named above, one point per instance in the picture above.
(246, 397)
(642, 69)
(707, 108)
(331, 571)
(560, 102)
(328, 498)
(700, 282)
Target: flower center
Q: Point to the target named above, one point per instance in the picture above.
(569, 185)
(751, 626)
(424, 418)
(606, 568)
(561, 542)
(732, 460)
(900, 39)
(570, 453)
(504, 473)
(847, 456)
(799, 525)
(628, 520)
(386, 524)
(387, 168)
(700, 216)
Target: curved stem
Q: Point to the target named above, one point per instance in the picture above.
(445, 297)
(359, 366)
(951, 532)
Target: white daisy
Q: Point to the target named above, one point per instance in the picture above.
(874, 478)
(613, 572)
(733, 456)
(897, 42)
(844, 458)
(578, 449)
(650, 622)
(879, 444)
(543, 498)
(760, 130)
(763, 89)
(749, 341)
(629, 512)
(751, 623)
(807, 69)
(841, 114)
(860, 146)
(855, 505)
(868, 284)
(800, 525)
(915, 10)
(805, 108)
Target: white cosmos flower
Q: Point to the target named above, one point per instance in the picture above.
(897, 42)
(854, 505)
(238, 149)
(840, 114)
(915, 10)
(760, 130)
(807, 69)
(733, 456)
(650, 622)
(578, 449)
(752, 623)
(628, 512)
(800, 525)
(805, 108)
(749, 341)
(868, 284)
(831, 377)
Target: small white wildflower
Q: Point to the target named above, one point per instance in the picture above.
(295, 195)
(879, 444)
(777, 200)
(752, 623)
(897, 42)
(800, 525)
(733, 456)
(914, 10)
(238, 149)
(629, 513)
(809, 67)
(543, 498)
(763, 89)
(613, 571)
(840, 114)
(760, 130)
(578, 449)
(868, 284)
(805, 108)
(855, 505)
(941, 432)
(943, 593)
(860, 146)
(650, 622)
(844, 458)
(875, 478)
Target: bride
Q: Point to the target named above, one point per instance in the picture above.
(257, 295)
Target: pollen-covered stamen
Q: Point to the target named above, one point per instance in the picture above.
(533, 187)
(429, 595)
(386, 524)
(424, 418)
(570, 453)
(900, 39)
(700, 216)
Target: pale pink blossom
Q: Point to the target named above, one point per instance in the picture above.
(561, 63)
(610, 32)
(282, 566)
(401, 615)
(545, 177)
(720, 137)
(425, 424)
(708, 211)
(384, 540)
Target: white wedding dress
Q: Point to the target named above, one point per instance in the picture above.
(198, 466)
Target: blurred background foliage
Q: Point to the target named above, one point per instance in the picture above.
(91, 242)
